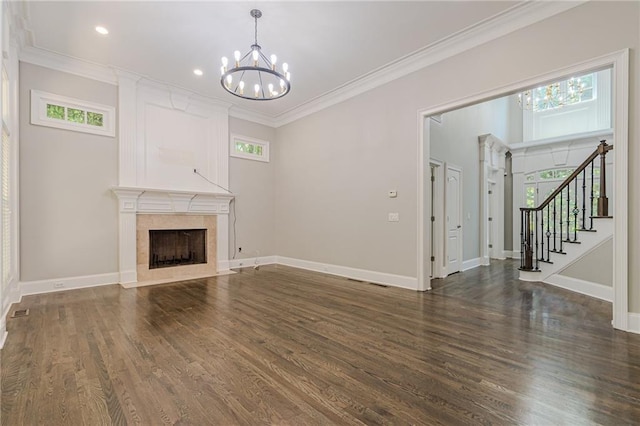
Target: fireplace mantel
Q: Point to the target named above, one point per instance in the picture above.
(153, 200)
(137, 200)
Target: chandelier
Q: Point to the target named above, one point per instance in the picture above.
(554, 95)
(254, 76)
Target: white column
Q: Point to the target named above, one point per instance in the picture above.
(127, 203)
(127, 89)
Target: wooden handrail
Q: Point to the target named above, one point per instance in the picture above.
(602, 148)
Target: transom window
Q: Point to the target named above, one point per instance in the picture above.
(48, 109)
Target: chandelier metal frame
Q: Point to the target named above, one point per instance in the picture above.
(268, 82)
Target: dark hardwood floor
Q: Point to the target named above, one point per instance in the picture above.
(286, 346)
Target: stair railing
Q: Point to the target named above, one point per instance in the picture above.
(564, 212)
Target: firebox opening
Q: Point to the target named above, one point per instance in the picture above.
(177, 247)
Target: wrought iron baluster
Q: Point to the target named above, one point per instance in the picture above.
(575, 210)
(548, 234)
(555, 200)
(584, 198)
(591, 207)
(535, 232)
(560, 220)
(568, 213)
(522, 254)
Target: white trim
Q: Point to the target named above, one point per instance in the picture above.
(241, 138)
(70, 283)
(633, 322)
(588, 288)
(512, 19)
(511, 254)
(471, 263)
(620, 81)
(354, 273)
(619, 60)
(251, 262)
(56, 61)
(253, 116)
(40, 99)
(3, 338)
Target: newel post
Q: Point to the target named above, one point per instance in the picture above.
(603, 201)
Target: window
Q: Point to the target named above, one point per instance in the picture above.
(567, 92)
(48, 109)
(249, 148)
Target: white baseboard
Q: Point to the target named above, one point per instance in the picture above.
(598, 291)
(633, 323)
(354, 273)
(471, 263)
(222, 265)
(62, 284)
(250, 262)
(511, 254)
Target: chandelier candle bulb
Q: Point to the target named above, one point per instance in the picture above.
(255, 69)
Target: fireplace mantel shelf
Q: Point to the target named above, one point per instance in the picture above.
(167, 201)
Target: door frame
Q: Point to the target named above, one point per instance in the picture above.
(445, 248)
(619, 63)
(438, 267)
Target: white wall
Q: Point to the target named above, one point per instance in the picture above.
(68, 214)
(336, 165)
(595, 267)
(252, 183)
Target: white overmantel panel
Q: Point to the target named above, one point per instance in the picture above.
(166, 133)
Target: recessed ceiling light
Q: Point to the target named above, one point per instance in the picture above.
(102, 30)
(198, 72)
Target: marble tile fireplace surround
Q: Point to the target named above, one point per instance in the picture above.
(142, 210)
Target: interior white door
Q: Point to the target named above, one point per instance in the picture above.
(453, 202)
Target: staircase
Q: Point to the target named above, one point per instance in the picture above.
(571, 222)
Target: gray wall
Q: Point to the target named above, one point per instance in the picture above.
(68, 215)
(336, 165)
(253, 184)
(595, 267)
(455, 141)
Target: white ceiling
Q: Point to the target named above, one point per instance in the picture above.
(327, 44)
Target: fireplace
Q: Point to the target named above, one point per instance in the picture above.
(176, 247)
(172, 247)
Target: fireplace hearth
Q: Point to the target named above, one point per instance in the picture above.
(177, 247)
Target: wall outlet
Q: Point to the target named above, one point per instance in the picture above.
(393, 193)
(394, 217)
(58, 285)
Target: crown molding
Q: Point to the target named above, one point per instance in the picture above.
(256, 117)
(515, 18)
(68, 64)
